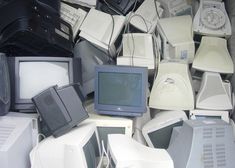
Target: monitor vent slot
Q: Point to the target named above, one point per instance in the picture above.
(207, 133)
(220, 132)
(220, 155)
(5, 132)
(208, 156)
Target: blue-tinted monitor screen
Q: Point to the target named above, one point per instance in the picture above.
(120, 89)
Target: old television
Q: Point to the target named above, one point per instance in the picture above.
(31, 75)
(121, 90)
(19, 133)
(79, 148)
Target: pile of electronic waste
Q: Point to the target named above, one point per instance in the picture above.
(116, 83)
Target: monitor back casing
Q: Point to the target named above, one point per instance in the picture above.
(118, 109)
(26, 105)
(60, 108)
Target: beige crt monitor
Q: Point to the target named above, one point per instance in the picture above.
(175, 8)
(109, 124)
(213, 94)
(138, 50)
(124, 152)
(177, 38)
(102, 29)
(212, 19)
(146, 16)
(172, 88)
(213, 55)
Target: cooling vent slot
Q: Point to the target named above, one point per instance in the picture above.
(208, 156)
(220, 156)
(5, 132)
(207, 133)
(220, 132)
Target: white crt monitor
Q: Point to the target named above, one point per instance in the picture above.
(18, 135)
(125, 152)
(110, 125)
(205, 114)
(78, 148)
(157, 132)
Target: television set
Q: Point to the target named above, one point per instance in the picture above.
(79, 148)
(157, 132)
(31, 75)
(61, 108)
(203, 143)
(19, 134)
(121, 90)
(124, 151)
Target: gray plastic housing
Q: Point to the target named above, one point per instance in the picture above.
(5, 95)
(90, 57)
(205, 143)
(60, 108)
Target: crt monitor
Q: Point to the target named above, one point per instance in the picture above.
(79, 148)
(157, 132)
(31, 75)
(124, 151)
(203, 143)
(121, 90)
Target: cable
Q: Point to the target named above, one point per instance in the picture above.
(111, 35)
(104, 152)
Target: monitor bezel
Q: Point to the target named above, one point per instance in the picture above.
(26, 105)
(122, 69)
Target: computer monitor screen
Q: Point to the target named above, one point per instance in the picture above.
(31, 75)
(32, 78)
(120, 89)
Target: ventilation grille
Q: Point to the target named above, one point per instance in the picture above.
(214, 155)
(207, 133)
(220, 155)
(5, 132)
(208, 156)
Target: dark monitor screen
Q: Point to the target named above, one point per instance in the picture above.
(120, 89)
